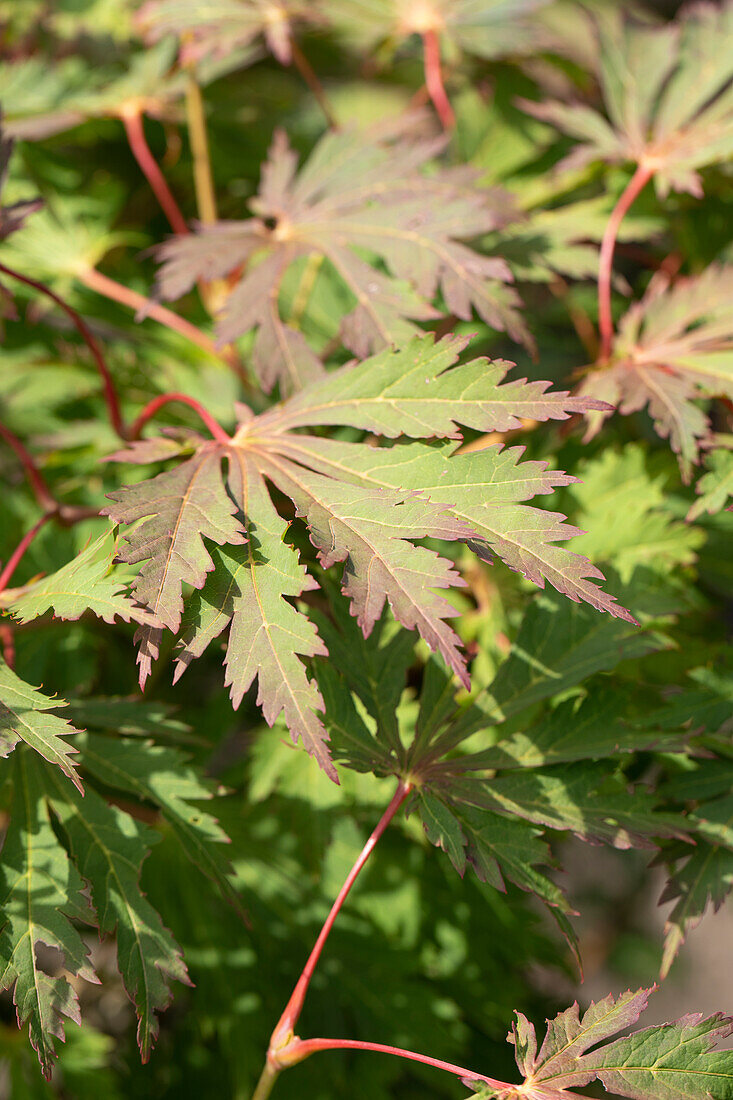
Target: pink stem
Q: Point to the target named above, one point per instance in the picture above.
(294, 1006)
(86, 334)
(158, 402)
(633, 188)
(299, 1049)
(15, 558)
(434, 79)
(102, 284)
(132, 120)
(40, 489)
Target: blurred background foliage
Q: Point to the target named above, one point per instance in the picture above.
(419, 957)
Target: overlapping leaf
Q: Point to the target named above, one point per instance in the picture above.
(673, 348)
(24, 716)
(716, 486)
(356, 196)
(179, 508)
(487, 28)
(674, 1061)
(159, 775)
(559, 770)
(363, 506)
(667, 94)
(39, 891)
(226, 26)
(704, 877)
(13, 216)
(89, 582)
(109, 847)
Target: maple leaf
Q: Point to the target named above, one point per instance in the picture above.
(228, 26)
(108, 847)
(362, 506)
(39, 891)
(159, 775)
(487, 28)
(666, 90)
(179, 508)
(24, 717)
(267, 635)
(673, 347)
(706, 876)
(674, 1061)
(716, 485)
(487, 809)
(87, 583)
(356, 194)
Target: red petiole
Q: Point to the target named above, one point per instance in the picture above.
(294, 1006)
(41, 490)
(15, 558)
(158, 402)
(287, 1049)
(299, 1049)
(633, 189)
(434, 79)
(132, 119)
(89, 339)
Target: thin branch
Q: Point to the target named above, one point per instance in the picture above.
(302, 1048)
(132, 119)
(158, 402)
(633, 188)
(294, 1006)
(434, 79)
(110, 288)
(305, 69)
(42, 492)
(17, 554)
(110, 394)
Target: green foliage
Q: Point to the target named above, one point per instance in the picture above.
(343, 450)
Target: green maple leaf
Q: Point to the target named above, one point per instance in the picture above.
(226, 27)
(88, 583)
(355, 194)
(39, 891)
(24, 717)
(706, 877)
(673, 347)
(716, 485)
(158, 774)
(363, 506)
(624, 507)
(108, 847)
(674, 1061)
(666, 90)
(487, 808)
